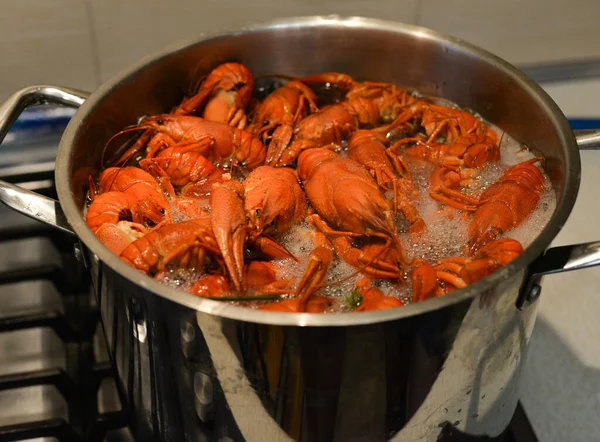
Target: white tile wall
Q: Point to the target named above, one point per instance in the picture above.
(45, 42)
(82, 42)
(128, 30)
(522, 31)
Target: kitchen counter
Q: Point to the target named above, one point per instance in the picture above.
(561, 380)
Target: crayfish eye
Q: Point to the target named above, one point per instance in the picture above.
(258, 212)
(160, 122)
(162, 211)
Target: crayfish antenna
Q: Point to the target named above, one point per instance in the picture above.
(501, 139)
(395, 239)
(137, 146)
(93, 193)
(195, 87)
(332, 79)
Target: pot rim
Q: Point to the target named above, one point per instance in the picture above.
(563, 208)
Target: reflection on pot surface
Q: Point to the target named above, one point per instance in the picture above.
(204, 376)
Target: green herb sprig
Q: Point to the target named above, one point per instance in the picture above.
(353, 300)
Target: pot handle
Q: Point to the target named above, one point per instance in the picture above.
(588, 139)
(29, 203)
(562, 258)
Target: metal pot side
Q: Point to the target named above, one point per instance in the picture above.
(194, 369)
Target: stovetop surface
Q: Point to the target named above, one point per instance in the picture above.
(56, 380)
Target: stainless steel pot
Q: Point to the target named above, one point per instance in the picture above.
(194, 369)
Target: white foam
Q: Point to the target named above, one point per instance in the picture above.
(447, 235)
(299, 241)
(511, 151)
(180, 278)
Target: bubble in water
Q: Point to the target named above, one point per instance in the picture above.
(445, 236)
(180, 278)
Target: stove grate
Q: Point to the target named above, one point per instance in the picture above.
(60, 372)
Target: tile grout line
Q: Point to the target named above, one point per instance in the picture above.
(93, 41)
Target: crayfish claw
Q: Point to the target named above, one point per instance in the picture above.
(229, 227)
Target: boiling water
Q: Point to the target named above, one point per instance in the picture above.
(446, 233)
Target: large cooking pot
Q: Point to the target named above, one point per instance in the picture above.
(194, 369)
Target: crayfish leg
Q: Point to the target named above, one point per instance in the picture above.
(150, 166)
(369, 264)
(319, 261)
(454, 198)
(317, 222)
(451, 279)
(280, 140)
(271, 248)
(399, 164)
(189, 255)
(237, 118)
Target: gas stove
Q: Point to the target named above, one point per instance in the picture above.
(56, 379)
(56, 382)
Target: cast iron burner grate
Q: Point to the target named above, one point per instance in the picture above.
(56, 381)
